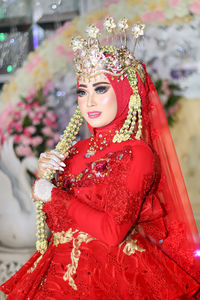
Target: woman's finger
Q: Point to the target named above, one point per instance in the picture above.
(52, 166)
(57, 160)
(58, 154)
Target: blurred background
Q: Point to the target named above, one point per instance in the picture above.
(37, 93)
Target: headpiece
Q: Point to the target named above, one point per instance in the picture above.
(90, 58)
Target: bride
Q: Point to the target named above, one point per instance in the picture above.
(120, 218)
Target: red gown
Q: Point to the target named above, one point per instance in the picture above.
(106, 225)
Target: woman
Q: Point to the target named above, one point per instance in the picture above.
(118, 230)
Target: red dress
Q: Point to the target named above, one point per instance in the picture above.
(99, 248)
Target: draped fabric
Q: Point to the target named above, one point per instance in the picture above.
(121, 222)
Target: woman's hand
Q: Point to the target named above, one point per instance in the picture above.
(52, 160)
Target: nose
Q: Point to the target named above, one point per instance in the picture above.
(90, 100)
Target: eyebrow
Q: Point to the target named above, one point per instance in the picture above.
(95, 84)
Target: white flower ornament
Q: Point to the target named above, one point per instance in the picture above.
(77, 43)
(92, 31)
(137, 30)
(109, 24)
(123, 24)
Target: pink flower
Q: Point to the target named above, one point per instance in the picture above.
(21, 104)
(36, 120)
(148, 17)
(174, 3)
(56, 137)
(17, 115)
(43, 108)
(32, 92)
(30, 66)
(173, 109)
(23, 151)
(47, 131)
(28, 107)
(54, 125)
(40, 115)
(17, 126)
(47, 122)
(61, 50)
(31, 114)
(25, 140)
(99, 24)
(110, 2)
(37, 140)
(28, 131)
(36, 104)
(17, 138)
(195, 7)
(51, 116)
(159, 15)
(165, 88)
(69, 55)
(23, 114)
(50, 143)
(47, 87)
(6, 114)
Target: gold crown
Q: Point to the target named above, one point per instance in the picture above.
(90, 58)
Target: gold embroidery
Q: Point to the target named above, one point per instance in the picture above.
(131, 245)
(65, 237)
(35, 264)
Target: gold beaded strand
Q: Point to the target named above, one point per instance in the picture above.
(134, 111)
(63, 146)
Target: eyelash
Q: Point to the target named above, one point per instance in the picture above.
(98, 90)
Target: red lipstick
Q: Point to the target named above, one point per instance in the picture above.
(94, 114)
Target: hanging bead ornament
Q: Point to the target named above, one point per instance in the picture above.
(134, 112)
(67, 139)
(42, 243)
(63, 146)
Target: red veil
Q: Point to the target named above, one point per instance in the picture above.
(166, 218)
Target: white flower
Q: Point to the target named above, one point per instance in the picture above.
(123, 24)
(92, 31)
(109, 24)
(137, 30)
(77, 43)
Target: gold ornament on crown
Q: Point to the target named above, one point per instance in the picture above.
(91, 59)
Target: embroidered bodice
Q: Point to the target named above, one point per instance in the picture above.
(106, 189)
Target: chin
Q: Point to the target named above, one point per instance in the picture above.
(96, 124)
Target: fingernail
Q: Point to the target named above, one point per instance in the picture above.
(61, 169)
(62, 164)
(58, 153)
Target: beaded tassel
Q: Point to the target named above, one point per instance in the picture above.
(134, 110)
(41, 244)
(63, 146)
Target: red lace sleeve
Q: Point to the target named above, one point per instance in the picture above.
(124, 197)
